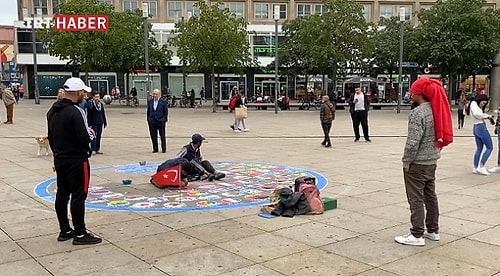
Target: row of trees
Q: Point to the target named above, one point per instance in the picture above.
(454, 36)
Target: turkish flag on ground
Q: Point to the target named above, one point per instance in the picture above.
(169, 177)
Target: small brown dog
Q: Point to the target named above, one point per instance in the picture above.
(43, 143)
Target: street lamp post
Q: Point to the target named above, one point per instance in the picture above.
(402, 19)
(276, 80)
(33, 45)
(145, 15)
(183, 68)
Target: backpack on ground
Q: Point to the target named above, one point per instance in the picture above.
(307, 185)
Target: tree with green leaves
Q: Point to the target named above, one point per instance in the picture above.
(215, 40)
(120, 49)
(320, 42)
(457, 36)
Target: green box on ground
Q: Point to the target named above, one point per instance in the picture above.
(329, 203)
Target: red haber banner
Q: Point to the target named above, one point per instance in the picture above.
(81, 23)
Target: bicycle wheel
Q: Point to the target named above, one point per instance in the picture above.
(123, 101)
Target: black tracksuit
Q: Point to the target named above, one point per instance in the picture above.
(69, 140)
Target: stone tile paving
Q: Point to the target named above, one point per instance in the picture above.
(355, 239)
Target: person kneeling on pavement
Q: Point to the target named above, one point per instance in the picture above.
(192, 152)
(188, 171)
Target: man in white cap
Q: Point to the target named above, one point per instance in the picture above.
(69, 138)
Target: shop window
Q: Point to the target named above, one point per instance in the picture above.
(40, 4)
(261, 11)
(237, 9)
(303, 9)
(174, 9)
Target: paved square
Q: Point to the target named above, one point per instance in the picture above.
(355, 239)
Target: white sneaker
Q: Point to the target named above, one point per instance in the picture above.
(494, 169)
(409, 239)
(247, 130)
(483, 171)
(474, 170)
(432, 236)
(237, 130)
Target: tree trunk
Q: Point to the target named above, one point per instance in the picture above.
(473, 82)
(334, 78)
(325, 87)
(214, 99)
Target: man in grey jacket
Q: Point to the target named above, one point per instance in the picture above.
(419, 168)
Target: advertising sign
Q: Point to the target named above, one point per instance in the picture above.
(81, 23)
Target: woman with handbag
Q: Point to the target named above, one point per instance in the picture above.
(240, 114)
(478, 116)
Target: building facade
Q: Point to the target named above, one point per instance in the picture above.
(164, 14)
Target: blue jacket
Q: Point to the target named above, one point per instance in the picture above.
(94, 116)
(160, 115)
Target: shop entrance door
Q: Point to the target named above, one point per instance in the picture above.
(225, 89)
(268, 89)
(142, 89)
(101, 86)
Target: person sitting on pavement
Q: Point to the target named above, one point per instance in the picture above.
(188, 171)
(192, 153)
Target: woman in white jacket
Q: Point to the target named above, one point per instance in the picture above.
(481, 134)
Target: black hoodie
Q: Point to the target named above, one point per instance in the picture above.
(68, 134)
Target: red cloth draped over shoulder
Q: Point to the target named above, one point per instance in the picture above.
(433, 90)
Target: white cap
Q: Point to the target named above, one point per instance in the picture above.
(76, 84)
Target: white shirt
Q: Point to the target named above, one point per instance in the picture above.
(360, 105)
(476, 113)
(155, 104)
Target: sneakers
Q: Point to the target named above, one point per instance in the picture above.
(246, 130)
(219, 175)
(237, 130)
(432, 236)
(232, 127)
(409, 239)
(474, 170)
(64, 236)
(483, 171)
(356, 140)
(495, 169)
(86, 238)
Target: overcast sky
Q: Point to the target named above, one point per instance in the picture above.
(8, 12)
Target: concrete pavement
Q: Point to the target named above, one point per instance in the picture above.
(355, 239)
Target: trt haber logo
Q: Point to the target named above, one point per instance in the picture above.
(81, 23)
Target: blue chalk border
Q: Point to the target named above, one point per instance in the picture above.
(42, 191)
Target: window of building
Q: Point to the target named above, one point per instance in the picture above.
(195, 11)
(320, 8)
(367, 12)
(261, 11)
(109, 2)
(408, 11)
(282, 11)
(174, 9)
(40, 4)
(238, 9)
(425, 6)
(386, 11)
(55, 5)
(152, 8)
(303, 9)
(130, 5)
(222, 6)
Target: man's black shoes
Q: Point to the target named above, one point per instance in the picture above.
(219, 175)
(64, 236)
(86, 239)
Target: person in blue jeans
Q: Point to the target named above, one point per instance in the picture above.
(496, 169)
(481, 134)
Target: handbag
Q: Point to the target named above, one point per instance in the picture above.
(241, 112)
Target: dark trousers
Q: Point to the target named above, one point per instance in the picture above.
(207, 166)
(154, 129)
(360, 117)
(461, 118)
(422, 198)
(95, 144)
(73, 179)
(326, 131)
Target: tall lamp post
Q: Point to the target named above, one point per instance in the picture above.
(276, 80)
(33, 45)
(402, 19)
(145, 15)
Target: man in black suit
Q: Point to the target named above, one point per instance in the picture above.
(157, 116)
(96, 117)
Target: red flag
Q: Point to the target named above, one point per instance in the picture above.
(169, 177)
